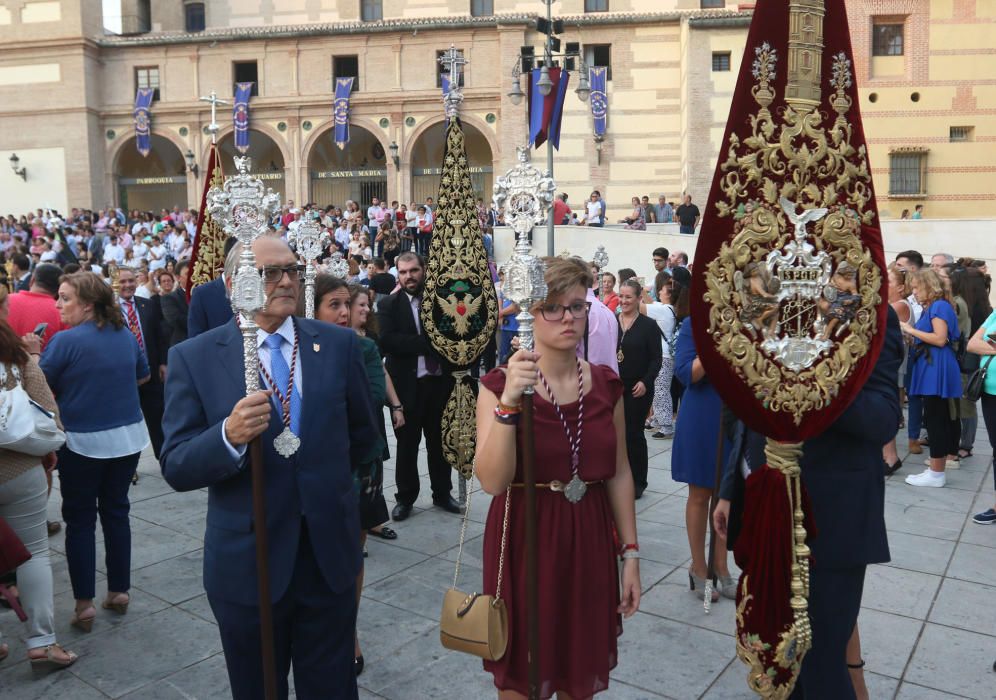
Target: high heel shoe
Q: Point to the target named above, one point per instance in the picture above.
(728, 587)
(358, 664)
(118, 607)
(84, 623)
(697, 586)
(50, 662)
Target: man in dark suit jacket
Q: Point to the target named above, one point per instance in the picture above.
(21, 272)
(416, 371)
(175, 308)
(151, 336)
(312, 517)
(843, 472)
(209, 307)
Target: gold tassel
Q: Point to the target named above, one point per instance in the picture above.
(460, 426)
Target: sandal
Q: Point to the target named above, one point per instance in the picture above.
(84, 623)
(964, 454)
(4, 650)
(385, 533)
(117, 604)
(51, 662)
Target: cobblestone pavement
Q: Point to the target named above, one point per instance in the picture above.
(928, 624)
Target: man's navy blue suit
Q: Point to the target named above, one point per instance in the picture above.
(844, 473)
(311, 507)
(209, 307)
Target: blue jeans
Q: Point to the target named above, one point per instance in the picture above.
(686, 229)
(92, 487)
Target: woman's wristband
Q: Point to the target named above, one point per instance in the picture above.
(399, 407)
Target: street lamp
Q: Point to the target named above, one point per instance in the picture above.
(583, 90)
(516, 94)
(544, 84)
(14, 162)
(191, 163)
(393, 148)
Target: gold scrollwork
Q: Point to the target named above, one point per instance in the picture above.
(763, 678)
(794, 158)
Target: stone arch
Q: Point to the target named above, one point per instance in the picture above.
(471, 119)
(160, 183)
(360, 173)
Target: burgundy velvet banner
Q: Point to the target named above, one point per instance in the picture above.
(776, 153)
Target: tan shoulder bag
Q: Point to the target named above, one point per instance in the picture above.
(475, 623)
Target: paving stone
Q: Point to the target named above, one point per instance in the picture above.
(982, 535)
(911, 691)
(19, 683)
(946, 659)
(660, 481)
(421, 589)
(199, 606)
(901, 493)
(383, 629)
(966, 605)
(929, 522)
(880, 686)
(175, 580)
(917, 553)
(171, 640)
(675, 602)
(666, 544)
(731, 683)
(386, 560)
(887, 641)
(623, 691)
(670, 511)
(205, 680)
(432, 532)
(664, 656)
(892, 590)
(973, 563)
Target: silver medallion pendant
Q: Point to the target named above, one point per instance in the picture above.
(286, 443)
(575, 489)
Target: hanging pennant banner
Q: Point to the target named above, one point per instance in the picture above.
(545, 112)
(340, 110)
(599, 100)
(240, 115)
(143, 132)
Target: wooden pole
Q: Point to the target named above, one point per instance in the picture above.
(532, 558)
(263, 568)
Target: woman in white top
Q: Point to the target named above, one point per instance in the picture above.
(663, 312)
(594, 209)
(157, 255)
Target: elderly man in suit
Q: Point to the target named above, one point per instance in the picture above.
(144, 318)
(315, 386)
(416, 371)
(843, 472)
(209, 303)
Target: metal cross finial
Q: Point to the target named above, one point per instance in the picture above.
(213, 127)
(453, 61)
(310, 241)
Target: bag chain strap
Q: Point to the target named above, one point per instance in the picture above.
(504, 540)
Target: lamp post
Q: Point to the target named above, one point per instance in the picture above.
(545, 86)
(191, 162)
(20, 172)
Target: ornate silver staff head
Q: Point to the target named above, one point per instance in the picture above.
(243, 207)
(525, 194)
(600, 258)
(338, 266)
(309, 240)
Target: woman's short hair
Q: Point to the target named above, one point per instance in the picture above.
(609, 274)
(626, 273)
(931, 285)
(633, 284)
(90, 289)
(564, 274)
(662, 279)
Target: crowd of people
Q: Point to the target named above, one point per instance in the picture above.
(615, 362)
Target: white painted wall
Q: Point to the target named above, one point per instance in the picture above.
(45, 186)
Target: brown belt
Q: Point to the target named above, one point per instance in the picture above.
(557, 486)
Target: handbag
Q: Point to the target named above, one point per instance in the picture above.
(12, 550)
(977, 381)
(25, 426)
(475, 623)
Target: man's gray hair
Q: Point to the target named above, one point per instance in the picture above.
(948, 258)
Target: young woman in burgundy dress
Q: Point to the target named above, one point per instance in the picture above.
(584, 498)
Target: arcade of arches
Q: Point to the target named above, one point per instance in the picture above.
(359, 172)
(153, 182)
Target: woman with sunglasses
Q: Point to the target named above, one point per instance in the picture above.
(584, 497)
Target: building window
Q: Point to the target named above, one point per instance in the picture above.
(148, 77)
(908, 173)
(720, 61)
(371, 10)
(346, 67)
(246, 72)
(710, 4)
(596, 5)
(599, 55)
(887, 40)
(440, 69)
(482, 8)
(193, 16)
(960, 134)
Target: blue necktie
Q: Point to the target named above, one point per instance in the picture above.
(281, 378)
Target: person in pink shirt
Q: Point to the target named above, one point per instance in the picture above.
(37, 305)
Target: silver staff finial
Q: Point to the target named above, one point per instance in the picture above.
(309, 240)
(213, 127)
(525, 194)
(600, 258)
(453, 61)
